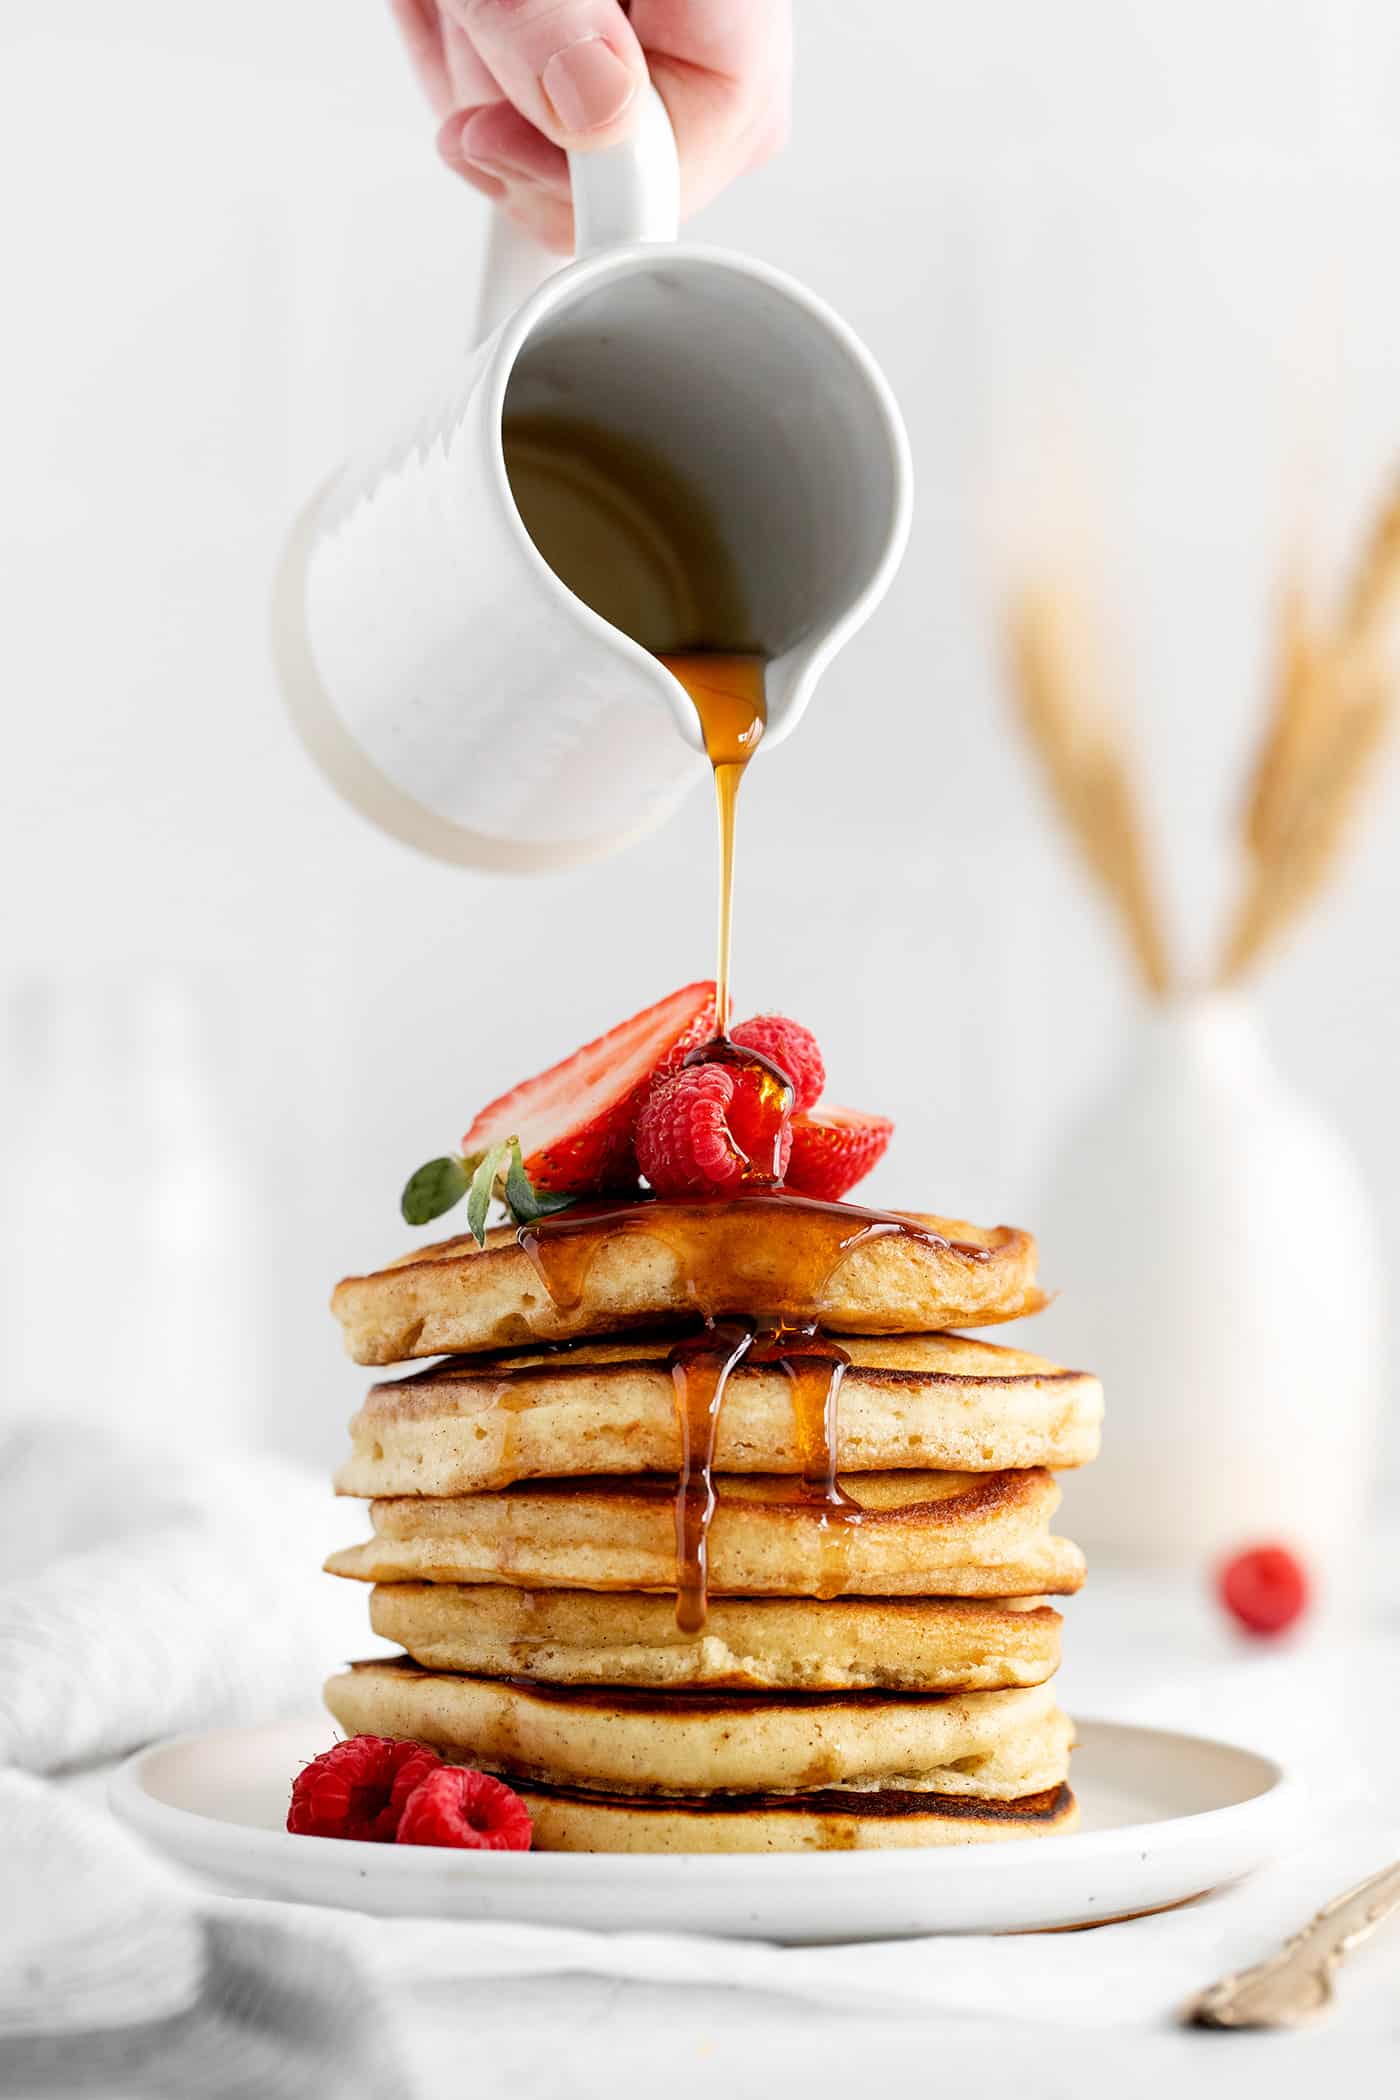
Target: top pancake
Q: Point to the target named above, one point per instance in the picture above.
(602, 1271)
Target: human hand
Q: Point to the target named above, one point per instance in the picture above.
(516, 82)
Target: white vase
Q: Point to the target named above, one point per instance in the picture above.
(1216, 1259)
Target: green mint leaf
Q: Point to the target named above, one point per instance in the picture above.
(434, 1189)
(483, 1188)
(523, 1200)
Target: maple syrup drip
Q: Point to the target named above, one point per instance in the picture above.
(814, 1366)
(727, 692)
(700, 1368)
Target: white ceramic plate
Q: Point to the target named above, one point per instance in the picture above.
(1164, 1817)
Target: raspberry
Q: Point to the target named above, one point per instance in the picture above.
(357, 1789)
(456, 1806)
(1265, 1587)
(791, 1047)
(710, 1129)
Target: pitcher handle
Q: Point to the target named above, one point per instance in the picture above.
(631, 191)
(627, 192)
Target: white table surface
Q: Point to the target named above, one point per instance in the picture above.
(1328, 1705)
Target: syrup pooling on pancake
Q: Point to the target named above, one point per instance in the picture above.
(817, 1238)
(915, 1274)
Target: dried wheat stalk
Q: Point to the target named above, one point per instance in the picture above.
(1335, 696)
(1285, 750)
(1375, 586)
(1081, 747)
(1281, 883)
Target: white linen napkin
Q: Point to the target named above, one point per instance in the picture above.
(116, 1978)
(143, 1594)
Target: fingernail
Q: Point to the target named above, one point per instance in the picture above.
(587, 84)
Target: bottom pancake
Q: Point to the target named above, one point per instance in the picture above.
(990, 1745)
(569, 1820)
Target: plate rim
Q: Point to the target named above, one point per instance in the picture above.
(1279, 1798)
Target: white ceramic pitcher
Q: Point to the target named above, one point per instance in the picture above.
(438, 670)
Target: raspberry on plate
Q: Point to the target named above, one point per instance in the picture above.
(471, 1810)
(357, 1789)
(790, 1046)
(1265, 1587)
(709, 1130)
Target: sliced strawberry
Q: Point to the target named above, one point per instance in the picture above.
(833, 1149)
(575, 1122)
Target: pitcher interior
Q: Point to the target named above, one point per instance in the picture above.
(701, 457)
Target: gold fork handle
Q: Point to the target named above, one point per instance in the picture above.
(1296, 1983)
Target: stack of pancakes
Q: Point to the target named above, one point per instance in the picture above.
(868, 1665)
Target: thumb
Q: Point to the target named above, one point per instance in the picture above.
(573, 69)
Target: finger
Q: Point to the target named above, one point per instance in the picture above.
(572, 67)
(500, 142)
(738, 40)
(489, 185)
(420, 27)
(724, 70)
(472, 79)
(547, 222)
(498, 153)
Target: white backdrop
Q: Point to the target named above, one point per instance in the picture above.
(1124, 263)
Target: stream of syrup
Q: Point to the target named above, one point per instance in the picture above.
(728, 696)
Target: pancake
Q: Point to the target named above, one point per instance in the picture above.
(777, 1643)
(567, 1820)
(598, 1271)
(911, 1400)
(912, 1535)
(983, 1745)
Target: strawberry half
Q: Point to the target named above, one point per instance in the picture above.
(576, 1121)
(833, 1149)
